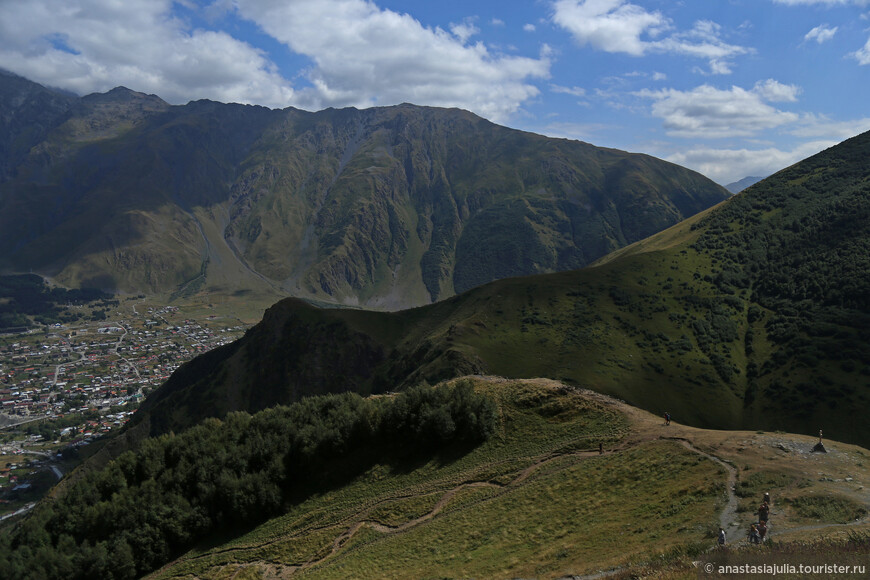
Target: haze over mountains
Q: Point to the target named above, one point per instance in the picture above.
(386, 207)
(740, 185)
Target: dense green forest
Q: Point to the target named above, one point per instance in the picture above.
(802, 273)
(223, 476)
(26, 298)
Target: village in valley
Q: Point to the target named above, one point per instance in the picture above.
(64, 385)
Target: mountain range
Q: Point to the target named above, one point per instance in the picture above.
(260, 458)
(386, 207)
(740, 185)
(753, 314)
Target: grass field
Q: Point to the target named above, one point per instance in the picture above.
(538, 500)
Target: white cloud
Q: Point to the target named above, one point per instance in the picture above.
(529, 27)
(659, 76)
(464, 31)
(575, 91)
(821, 127)
(821, 33)
(366, 56)
(775, 91)
(714, 113)
(609, 25)
(862, 54)
(96, 45)
(621, 27)
(728, 165)
(362, 55)
(497, 22)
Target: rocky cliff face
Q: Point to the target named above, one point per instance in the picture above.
(386, 207)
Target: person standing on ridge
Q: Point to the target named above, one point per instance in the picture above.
(763, 512)
(667, 418)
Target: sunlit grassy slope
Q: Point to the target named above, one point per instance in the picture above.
(538, 500)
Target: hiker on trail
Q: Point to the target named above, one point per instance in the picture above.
(754, 537)
(763, 512)
(766, 498)
(721, 537)
(601, 448)
(762, 531)
(667, 418)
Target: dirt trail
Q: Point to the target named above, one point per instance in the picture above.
(728, 517)
(448, 495)
(726, 448)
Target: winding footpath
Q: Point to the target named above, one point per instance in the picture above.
(715, 446)
(728, 517)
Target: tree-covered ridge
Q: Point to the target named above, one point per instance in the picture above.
(220, 476)
(797, 247)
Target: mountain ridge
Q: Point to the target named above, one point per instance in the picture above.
(752, 314)
(386, 207)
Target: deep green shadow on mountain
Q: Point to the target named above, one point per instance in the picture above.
(386, 207)
(753, 315)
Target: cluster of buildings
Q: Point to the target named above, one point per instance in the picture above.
(62, 386)
(97, 366)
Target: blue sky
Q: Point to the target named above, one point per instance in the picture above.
(729, 88)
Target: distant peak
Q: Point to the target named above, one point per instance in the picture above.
(122, 94)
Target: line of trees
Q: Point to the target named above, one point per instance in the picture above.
(174, 490)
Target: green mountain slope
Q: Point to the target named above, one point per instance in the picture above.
(386, 207)
(751, 315)
(480, 477)
(28, 112)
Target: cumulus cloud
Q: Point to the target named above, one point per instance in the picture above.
(95, 45)
(366, 56)
(715, 113)
(619, 26)
(820, 126)
(821, 33)
(529, 27)
(609, 25)
(775, 91)
(862, 54)
(464, 30)
(728, 165)
(362, 55)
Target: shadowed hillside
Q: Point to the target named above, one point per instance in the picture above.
(386, 207)
(752, 315)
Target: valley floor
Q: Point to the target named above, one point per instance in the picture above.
(543, 500)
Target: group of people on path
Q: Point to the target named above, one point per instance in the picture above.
(758, 530)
